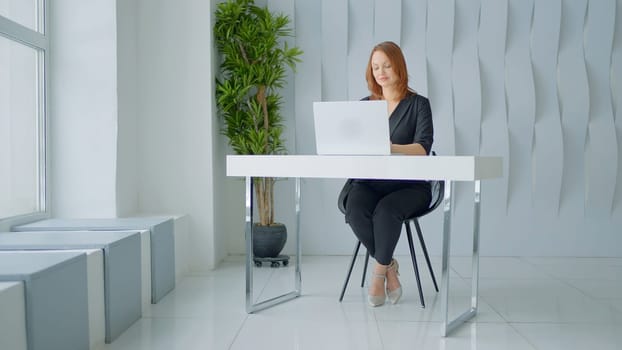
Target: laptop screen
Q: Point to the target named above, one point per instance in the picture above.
(351, 128)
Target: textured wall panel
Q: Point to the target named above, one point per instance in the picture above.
(308, 83)
(602, 149)
(478, 62)
(288, 110)
(361, 41)
(440, 38)
(574, 96)
(284, 190)
(334, 50)
(467, 93)
(467, 89)
(494, 132)
(521, 105)
(414, 23)
(616, 93)
(387, 21)
(548, 145)
(318, 196)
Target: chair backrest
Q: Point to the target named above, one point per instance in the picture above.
(343, 196)
(438, 193)
(437, 187)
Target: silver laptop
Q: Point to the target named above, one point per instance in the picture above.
(351, 128)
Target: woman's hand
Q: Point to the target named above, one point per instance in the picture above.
(413, 149)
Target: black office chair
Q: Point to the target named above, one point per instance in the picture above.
(438, 190)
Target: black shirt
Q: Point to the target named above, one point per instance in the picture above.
(411, 122)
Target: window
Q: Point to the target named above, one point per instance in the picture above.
(23, 57)
(24, 12)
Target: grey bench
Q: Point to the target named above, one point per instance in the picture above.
(161, 232)
(55, 285)
(122, 267)
(13, 316)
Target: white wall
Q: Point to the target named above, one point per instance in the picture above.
(174, 118)
(131, 121)
(83, 113)
(225, 224)
(536, 82)
(127, 100)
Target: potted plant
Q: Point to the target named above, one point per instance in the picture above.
(254, 61)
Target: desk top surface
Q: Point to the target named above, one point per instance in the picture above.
(398, 167)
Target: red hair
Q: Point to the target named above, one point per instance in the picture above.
(398, 63)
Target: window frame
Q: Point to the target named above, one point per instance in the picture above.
(38, 40)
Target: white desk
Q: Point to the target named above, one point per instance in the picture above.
(447, 168)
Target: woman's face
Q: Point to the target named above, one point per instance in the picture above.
(382, 69)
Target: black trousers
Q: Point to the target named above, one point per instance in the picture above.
(376, 209)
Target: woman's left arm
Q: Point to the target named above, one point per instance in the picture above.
(423, 135)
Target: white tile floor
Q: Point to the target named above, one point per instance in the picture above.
(525, 303)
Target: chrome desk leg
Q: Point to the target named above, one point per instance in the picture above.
(298, 276)
(475, 267)
(248, 236)
(445, 257)
(448, 326)
(250, 306)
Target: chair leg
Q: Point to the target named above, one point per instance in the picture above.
(425, 252)
(364, 269)
(345, 284)
(414, 259)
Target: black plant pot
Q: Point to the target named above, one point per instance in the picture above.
(268, 241)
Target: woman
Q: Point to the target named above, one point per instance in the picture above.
(375, 209)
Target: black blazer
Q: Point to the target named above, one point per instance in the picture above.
(411, 122)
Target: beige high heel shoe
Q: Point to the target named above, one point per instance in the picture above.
(377, 300)
(394, 295)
